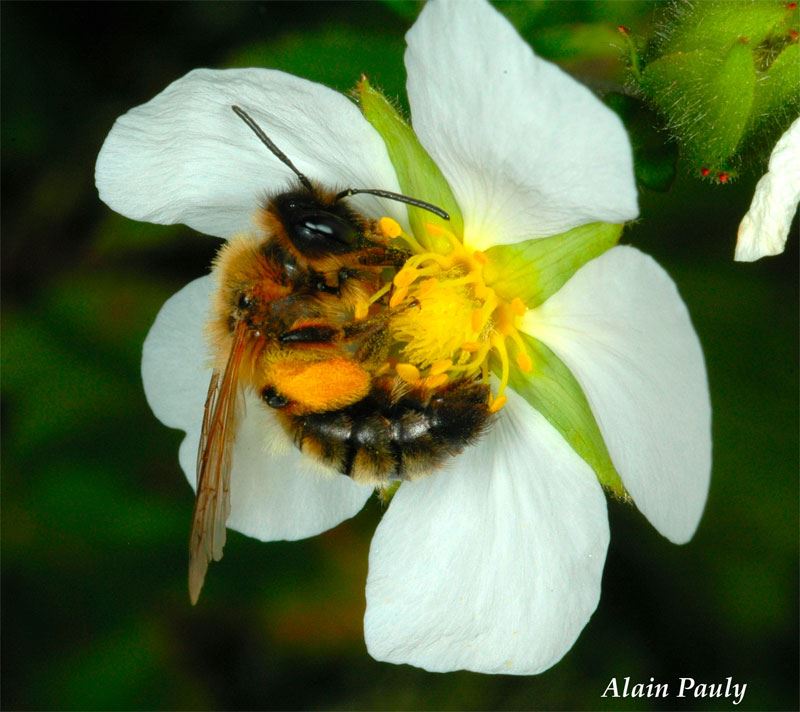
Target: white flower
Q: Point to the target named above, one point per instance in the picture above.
(765, 227)
(494, 563)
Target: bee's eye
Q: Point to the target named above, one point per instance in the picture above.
(315, 228)
(322, 233)
(244, 301)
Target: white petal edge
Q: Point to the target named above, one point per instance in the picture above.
(765, 228)
(528, 151)
(185, 157)
(276, 493)
(493, 564)
(623, 330)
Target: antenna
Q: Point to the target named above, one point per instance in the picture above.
(393, 196)
(283, 158)
(280, 155)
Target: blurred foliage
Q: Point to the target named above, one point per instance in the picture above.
(95, 512)
(724, 76)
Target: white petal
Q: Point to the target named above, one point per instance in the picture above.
(494, 564)
(621, 327)
(765, 227)
(185, 157)
(275, 492)
(527, 150)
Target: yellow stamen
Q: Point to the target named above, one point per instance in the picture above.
(439, 231)
(398, 296)
(482, 291)
(518, 307)
(361, 310)
(408, 372)
(477, 321)
(426, 287)
(389, 227)
(405, 277)
(497, 404)
(499, 345)
(433, 382)
(458, 323)
(441, 366)
(523, 359)
(375, 297)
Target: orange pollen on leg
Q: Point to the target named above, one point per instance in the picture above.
(318, 385)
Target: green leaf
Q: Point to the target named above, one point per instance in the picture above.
(418, 175)
(705, 99)
(536, 269)
(552, 390)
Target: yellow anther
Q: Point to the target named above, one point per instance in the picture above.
(477, 321)
(518, 307)
(524, 362)
(497, 404)
(481, 291)
(398, 296)
(504, 321)
(426, 287)
(361, 310)
(440, 231)
(433, 382)
(441, 366)
(389, 227)
(480, 257)
(470, 346)
(408, 372)
(404, 277)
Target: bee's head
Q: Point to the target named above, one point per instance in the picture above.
(320, 225)
(317, 227)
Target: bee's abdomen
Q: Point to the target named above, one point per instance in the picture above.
(383, 437)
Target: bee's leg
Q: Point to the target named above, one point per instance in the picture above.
(382, 257)
(373, 344)
(365, 327)
(373, 350)
(314, 334)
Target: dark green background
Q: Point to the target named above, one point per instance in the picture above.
(96, 511)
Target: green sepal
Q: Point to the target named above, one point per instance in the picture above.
(551, 389)
(717, 25)
(706, 100)
(777, 92)
(536, 269)
(418, 175)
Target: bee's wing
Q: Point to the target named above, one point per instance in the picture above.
(214, 461)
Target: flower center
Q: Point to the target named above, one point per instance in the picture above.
(448, 324)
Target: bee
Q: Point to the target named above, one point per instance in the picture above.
(300, 317)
